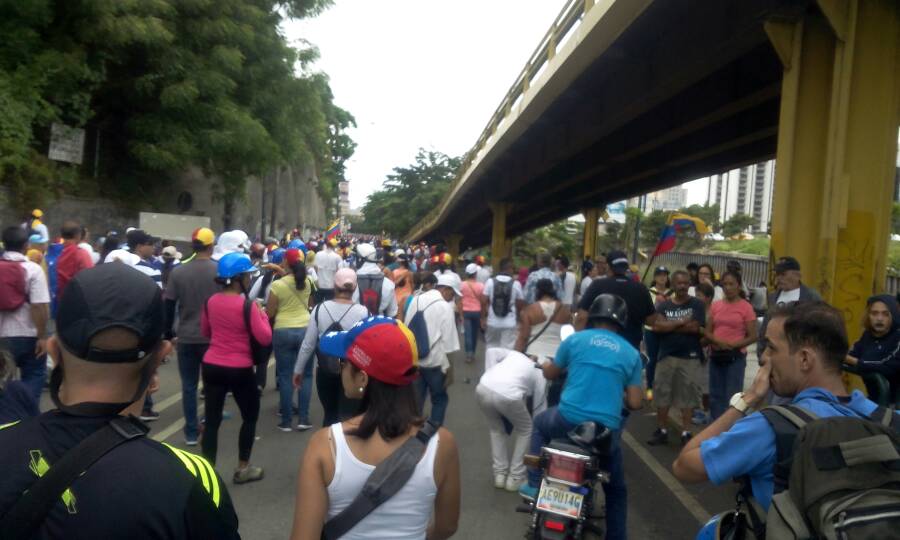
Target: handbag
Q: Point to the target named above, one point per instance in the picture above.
(723, 357)
(258, 352)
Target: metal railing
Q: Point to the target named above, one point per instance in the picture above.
(568, 19)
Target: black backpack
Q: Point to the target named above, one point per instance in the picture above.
(419, 329)
(501, 302)
(370, 293)
(331, 364)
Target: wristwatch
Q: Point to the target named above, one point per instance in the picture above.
(737, 401)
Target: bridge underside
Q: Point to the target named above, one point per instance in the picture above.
(688, 89)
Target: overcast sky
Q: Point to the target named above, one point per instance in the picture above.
(420, 73)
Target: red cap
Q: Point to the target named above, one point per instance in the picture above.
(382, 347)
(293, 256)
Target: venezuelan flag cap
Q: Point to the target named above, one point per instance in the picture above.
(204, 236)
(382, 347)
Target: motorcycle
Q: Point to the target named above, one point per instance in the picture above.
(565, 507)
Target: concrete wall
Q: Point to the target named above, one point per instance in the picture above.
(297, 204)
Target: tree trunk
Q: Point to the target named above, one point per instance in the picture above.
(274, 200)
(263, 180)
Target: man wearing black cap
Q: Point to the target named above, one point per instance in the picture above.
(788, 290)
(85, 470)
(636, 295)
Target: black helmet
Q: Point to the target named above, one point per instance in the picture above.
(611, 308)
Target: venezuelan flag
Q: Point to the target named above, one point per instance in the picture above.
(666, 241)
(683, 222)
(333, 231)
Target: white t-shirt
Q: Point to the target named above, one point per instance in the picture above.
(441, 323)
(512, 375)
(568, 292)
(18, 323)
(510, 320)
(483, 275)
(585, 283)
(718, 293)
(786, 297)
(327, 263)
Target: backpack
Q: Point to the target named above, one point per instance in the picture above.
(370, 293)
(835, 477)
(501, 301)
(12, 285)
(331, 364)
(420, 330)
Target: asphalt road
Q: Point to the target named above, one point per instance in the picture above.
(659, 506)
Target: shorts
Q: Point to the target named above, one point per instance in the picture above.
(505, 338)
(677, 382)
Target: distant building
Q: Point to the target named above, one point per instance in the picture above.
(667, 200)
(344, 197)
(747, 190)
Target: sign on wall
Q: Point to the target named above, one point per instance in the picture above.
(66, 144)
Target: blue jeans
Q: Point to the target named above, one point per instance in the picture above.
(471, 325)
(190, 356)
(550, 425)
(286, 345)
(725, 380)
(652, 343)
(431, 380)
(32, 369)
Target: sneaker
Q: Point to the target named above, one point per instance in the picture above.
(248, 474)
(499, 481)
(528, 492)
(513, 484)
(149, 416)
(700, 418)
(659, 437)
(191, 442)
(685, 437)
(285, 427)
(304, 426)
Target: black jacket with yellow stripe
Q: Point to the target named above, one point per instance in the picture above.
(141, 489)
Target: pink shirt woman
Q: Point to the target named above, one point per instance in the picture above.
(223, 322)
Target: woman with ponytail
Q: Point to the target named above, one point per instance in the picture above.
(289, 304)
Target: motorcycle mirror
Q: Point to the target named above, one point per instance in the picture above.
(566, 331)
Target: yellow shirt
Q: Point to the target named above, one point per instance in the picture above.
(293, 305)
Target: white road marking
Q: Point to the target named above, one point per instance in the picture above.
(684, 497)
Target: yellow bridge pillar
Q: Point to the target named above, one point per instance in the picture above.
(453, 241)
(500, 245)
(589, 241)
(837, 142)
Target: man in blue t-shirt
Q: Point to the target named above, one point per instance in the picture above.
(601, 367)
(805, 346)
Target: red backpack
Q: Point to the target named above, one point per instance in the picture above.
(12, 285)
(370, 293)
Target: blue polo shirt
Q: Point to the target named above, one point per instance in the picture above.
(600, 365)
(749, 446)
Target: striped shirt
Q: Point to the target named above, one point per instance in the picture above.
(150, 269)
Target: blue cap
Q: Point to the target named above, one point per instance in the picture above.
(277, 255)
(298, 244)
(233, 264)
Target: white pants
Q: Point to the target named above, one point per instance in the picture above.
(494, 406)
(505, 338)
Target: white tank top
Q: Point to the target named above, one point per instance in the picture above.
(404, 516)
(548, 342)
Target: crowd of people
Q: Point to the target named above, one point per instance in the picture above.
(374, 325)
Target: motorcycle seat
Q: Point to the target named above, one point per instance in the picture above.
(592, 437)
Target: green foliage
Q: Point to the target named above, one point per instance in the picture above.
(559, 238)
(737, 224)
(168, 84)
(895, 218)
(409, 193)
(754, 246)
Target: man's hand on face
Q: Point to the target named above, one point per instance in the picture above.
(759, 389)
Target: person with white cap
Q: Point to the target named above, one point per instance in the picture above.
(231, 242)
(436, 307)
(374, 290)
(471, 305)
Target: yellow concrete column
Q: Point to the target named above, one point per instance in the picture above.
(837, 142)
(500, 245)
(453, 241)
(589, 240)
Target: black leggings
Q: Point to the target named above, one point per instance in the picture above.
(338, 407)
(217, 381)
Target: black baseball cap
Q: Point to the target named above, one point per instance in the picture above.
(786, 263)
(661, 270)
(137, 237)
(617, 260)
(111, 295)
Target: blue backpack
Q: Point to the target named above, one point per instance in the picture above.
(420, 330)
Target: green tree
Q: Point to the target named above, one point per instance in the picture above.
(559, 238)
(895, 218)
(409, 193)
(737, 224)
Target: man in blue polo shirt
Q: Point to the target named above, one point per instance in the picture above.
(601, 367)
(805, 346)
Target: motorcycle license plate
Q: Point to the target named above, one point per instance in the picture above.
(559, 499)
